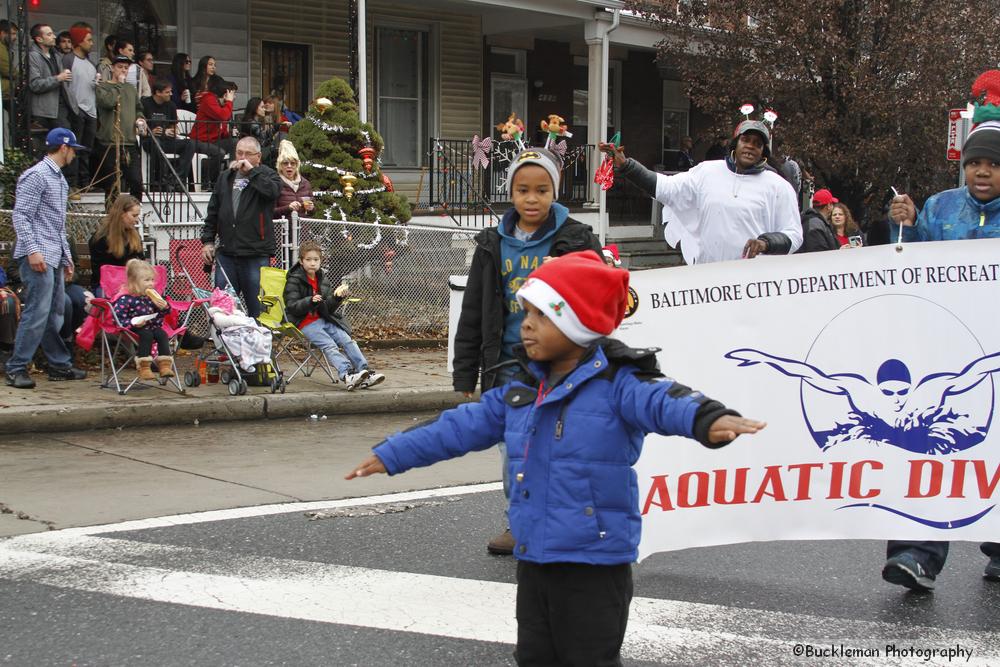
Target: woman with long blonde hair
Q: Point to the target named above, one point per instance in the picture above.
(117, 239)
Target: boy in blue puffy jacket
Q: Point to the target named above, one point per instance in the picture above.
(574, 427)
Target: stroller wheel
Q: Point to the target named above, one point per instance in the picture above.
(225, 376)
(189, 379)
(274, 384)
(243, 387)
(197, 380)
(234, 387)
(283, 385)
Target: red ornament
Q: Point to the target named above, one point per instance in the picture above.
(605, 174)
(387, 182)
(367, 154)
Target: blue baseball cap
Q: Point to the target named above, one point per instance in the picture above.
(61, 137)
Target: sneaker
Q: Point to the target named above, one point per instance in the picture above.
(502, 544)
(71, 373)
(354, 380)
(905, 570)
(372, 380)
(993, 569)
(20, 380)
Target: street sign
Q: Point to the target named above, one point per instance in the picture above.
(958, 129)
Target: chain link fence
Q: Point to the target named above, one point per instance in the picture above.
(398, 274)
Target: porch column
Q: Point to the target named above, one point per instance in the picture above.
(597, 100)
(595, 68)
(362, 91)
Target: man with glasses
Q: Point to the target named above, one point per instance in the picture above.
(240, 213)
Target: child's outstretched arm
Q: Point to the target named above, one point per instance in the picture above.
(469, 427)
(661, 405)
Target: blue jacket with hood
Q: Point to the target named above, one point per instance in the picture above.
(575, 496)
(954, 215)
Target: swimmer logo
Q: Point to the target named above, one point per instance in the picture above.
(881, 394)
(946, 410)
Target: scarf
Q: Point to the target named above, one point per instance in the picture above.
(294, 185)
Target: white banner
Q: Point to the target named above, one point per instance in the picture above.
(874, 370)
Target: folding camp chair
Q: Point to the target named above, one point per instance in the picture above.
(285, 334)
(118, 340)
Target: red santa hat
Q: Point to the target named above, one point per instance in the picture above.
(584, 297)
(611, 251)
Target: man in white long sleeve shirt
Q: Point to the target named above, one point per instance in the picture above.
(724, 209)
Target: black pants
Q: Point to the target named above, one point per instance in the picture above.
(131, 168)
(79, 171)
(932, 555)
(149, 334)
(571, 613)
(183, 148)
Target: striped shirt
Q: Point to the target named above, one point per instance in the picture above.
(40, 214)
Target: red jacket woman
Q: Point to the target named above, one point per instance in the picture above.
(215, 110)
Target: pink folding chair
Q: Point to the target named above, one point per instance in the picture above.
(117, 338)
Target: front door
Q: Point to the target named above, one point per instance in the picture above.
(285, 73)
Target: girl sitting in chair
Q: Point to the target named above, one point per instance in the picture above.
(141, 310)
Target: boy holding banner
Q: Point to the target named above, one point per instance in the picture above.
(971, 212)
(574, 426)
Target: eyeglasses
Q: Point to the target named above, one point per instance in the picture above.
(247, 153)
(187, 62)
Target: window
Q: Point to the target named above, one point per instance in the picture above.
(676, 109)
(403, 92)
(149, 24)
(508, 85)
(581, 96)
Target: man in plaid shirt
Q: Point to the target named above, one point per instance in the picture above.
(40, 253)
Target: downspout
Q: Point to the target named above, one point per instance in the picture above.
(605, 49)
(362, 62)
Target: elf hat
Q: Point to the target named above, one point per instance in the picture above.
(584, 297)
(986, 92)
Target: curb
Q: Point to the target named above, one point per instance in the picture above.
(48, 419)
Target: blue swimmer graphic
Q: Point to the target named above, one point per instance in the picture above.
(893, 410)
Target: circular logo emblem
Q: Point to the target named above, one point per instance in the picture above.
(632, 303)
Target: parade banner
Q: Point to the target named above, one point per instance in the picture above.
(875, 370)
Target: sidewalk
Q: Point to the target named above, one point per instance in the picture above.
(416, 379)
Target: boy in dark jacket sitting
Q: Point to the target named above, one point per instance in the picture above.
(489, 325)
(574, 426)
(314, 306)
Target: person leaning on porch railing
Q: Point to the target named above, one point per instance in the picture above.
(241, 214)
(161, 116)
(119, 116)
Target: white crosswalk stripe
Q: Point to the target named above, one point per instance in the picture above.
(659, 630)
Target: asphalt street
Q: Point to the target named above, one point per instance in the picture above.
(294, 576)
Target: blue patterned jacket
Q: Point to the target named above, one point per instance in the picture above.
(575, 497)
(954, 215)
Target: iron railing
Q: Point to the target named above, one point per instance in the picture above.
(472, 194)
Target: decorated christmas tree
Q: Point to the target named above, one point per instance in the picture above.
(339, 156)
